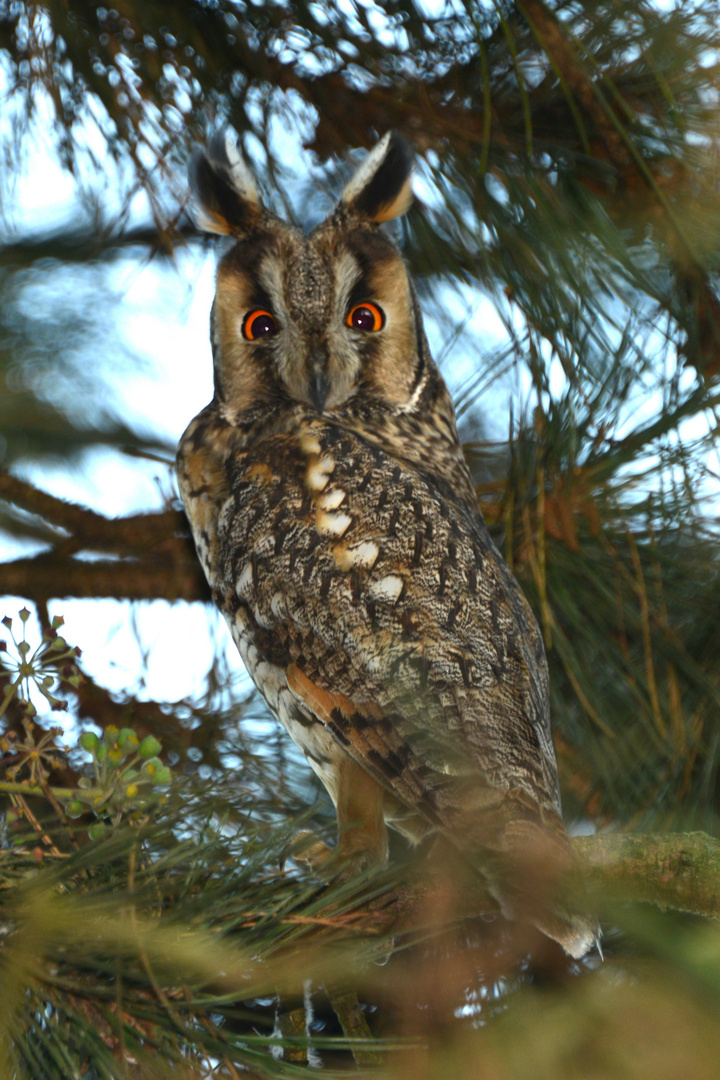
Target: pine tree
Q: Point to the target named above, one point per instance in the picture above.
(566, 242)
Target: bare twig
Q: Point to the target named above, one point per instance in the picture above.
(352, 1020)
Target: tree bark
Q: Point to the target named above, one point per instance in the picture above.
(679, 870)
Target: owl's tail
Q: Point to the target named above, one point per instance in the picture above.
(528, 868)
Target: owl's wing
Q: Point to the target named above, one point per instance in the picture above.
(396, 622)
(364, 589)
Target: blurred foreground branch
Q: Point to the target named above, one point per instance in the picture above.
(680, 871)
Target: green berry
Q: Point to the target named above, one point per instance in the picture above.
(110, 734)
(98, 830)
(149, 747)
(162, 776)
(89, 741)
(74, 809)
(127, 740)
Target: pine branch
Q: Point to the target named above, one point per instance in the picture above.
(93, 531)
(679, 871)
(207, 937)
(575, 76)
(164, 567)
(612, 118)
(44, 578)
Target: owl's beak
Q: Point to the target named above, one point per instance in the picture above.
(319, 388)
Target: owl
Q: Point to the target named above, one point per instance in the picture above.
(335, 518)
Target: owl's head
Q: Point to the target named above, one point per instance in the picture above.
(316, 319)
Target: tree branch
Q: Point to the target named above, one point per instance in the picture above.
(45, 578)
(571, 69)
(93, 531)
(679, 871)
(164, 568)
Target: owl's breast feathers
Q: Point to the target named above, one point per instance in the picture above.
(371, 596)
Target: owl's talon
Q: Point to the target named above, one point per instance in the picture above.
(314, 854)
(346, 867)
(343, 862)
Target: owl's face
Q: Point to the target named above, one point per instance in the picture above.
(316, 319)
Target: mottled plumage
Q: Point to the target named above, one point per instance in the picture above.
(337, 524)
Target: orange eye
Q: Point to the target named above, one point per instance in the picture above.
(367, 316)
(257, 324)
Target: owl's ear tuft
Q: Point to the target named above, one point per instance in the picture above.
(380, 189)
(225, 194)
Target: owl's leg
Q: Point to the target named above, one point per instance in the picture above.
(362, 835)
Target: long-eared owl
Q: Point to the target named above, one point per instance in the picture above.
(336, 521)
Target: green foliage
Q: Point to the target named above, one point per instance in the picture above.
(182, 939)
(188, 890)
(125, 777)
